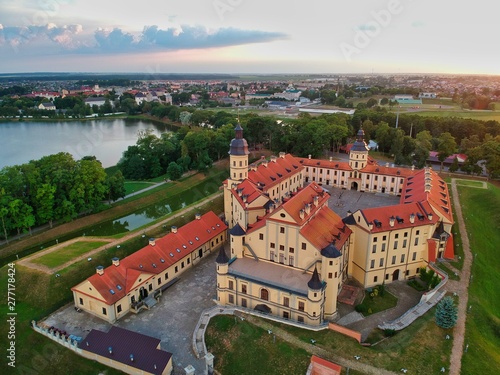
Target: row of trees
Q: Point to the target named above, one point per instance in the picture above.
(55, 187)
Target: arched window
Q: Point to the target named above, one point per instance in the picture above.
(264, 294)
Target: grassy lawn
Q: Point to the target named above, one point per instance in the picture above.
(406, 349)
(476, 115)
(378, 302)
(61, 256)
(477, 184)
(227, 335)
(133, 186)
(482, 218)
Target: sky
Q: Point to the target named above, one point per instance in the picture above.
(249, 36)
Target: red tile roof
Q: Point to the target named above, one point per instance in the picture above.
(321, 366)
(320, 163)
(152, 260)
(380, 216)
(436, 192)
(324, 228)
(389, 171)
(248, 189)
(294, 205)
(449, 251)
(272, 173)
(123, 343)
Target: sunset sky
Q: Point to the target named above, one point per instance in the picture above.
(249, 36)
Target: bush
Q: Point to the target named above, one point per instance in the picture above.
(361, 308)
(389, 332)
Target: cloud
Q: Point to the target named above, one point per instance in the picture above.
(71, 38)
(63, 36)
(193, 37)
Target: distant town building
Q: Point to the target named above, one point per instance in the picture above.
(431, 95)
(407, 99)
(433, 158)
(98, 101)
(49, 106)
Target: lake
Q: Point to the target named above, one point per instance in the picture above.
(21, 142)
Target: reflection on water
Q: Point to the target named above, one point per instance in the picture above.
(106, 139)
(156, 211)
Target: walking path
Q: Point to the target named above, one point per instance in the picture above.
(113, 242)
(460, 287)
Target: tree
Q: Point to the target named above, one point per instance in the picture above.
(454, 166)
(446, 147)
(116, 186)
(371, 102)
(423, 146)
(185, 117)
(446, 313)
(45, 203)
(174, 171)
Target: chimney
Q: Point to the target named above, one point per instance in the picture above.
(100, 270)
(387, 164)
(302, 214)
(316, 200)
(116, 261)
(244, 197)
(197, 216)
(391, 221)
(273, 159)
(308, 208)
(331, 159)
(110, 350)
(370, 225)
(131, 357)
(282, 155)
(271, 207)
(309, 156)
(412, 167)
(429, 216)
(174, 229)
(152, 241)
(264, 163)
(412, 218)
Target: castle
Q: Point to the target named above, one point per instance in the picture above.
(290, 254)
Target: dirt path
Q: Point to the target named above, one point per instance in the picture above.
(313, 349)
(460, 287)
(112, 242)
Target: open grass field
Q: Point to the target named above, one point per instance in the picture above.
(265, 355)
(133, 186)
(476, 115)
(482, 218)
(407, 349)
(38, 294)
(62, 255)
(471, 183)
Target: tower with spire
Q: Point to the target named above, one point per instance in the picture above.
(358, 156)
(238, 168)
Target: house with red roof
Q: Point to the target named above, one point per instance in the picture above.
(136, 281)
